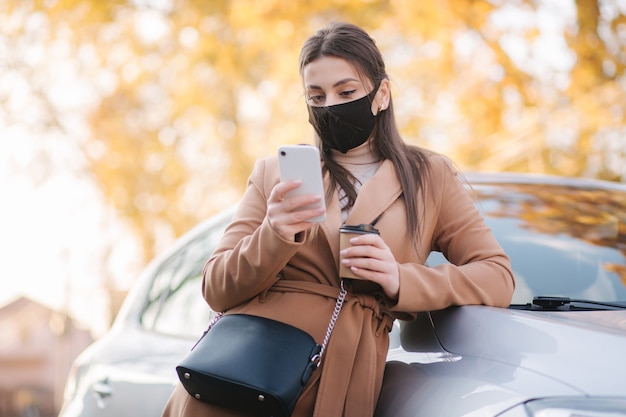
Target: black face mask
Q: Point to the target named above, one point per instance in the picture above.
(344, 126)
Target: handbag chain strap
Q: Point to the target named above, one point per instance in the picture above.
(331, 324)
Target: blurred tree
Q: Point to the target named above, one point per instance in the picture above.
(180, 96)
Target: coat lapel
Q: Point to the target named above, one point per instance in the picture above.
(378, 193)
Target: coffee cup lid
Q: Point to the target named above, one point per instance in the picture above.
(361, 228)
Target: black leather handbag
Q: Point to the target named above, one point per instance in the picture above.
(253, 364)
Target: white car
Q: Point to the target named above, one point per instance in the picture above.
(558, 350)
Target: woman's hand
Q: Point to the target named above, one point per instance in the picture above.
(370, 258)
(287, 215)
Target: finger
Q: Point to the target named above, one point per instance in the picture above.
(363, 251)
(366, 274)
(301, 202)
(282, 188)
(367, 264)
(300, 215)
(369, 239)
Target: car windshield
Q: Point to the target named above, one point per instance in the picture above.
(563, 241)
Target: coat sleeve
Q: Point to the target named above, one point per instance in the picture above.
(250, 254)
(479, 271)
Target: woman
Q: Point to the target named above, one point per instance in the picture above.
(271, 262)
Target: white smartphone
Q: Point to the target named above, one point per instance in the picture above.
(302, 162)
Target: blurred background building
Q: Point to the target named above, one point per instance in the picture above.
(37, 346)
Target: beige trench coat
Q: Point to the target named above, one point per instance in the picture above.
(255, 271)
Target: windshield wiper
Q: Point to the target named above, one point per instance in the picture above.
(566, 303)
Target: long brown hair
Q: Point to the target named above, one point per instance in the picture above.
(349, 42)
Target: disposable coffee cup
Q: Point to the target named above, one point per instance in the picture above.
(347, 232)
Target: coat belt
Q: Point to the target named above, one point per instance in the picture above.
(354, 341)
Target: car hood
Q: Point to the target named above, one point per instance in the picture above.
(577, 348)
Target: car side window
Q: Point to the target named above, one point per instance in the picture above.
(174, 304)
